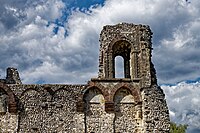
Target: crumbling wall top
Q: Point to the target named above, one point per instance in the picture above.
(131, 42)
(12, 76)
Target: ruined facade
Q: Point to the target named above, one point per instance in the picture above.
(132, 104)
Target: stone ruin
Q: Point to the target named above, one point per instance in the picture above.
(106, 104)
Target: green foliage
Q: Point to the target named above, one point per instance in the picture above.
(174, 128)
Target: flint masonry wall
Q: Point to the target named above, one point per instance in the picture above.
(48, 108)
(54, 108)
(59, 108)
(132, 104)
(154, 110)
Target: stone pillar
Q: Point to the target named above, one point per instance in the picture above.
(134, 65)
(111, 66)
(126, 68)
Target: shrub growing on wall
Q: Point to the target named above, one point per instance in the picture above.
(174, 128)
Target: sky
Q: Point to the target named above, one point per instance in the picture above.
(56, 41)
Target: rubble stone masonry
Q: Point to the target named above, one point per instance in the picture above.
(106, 104)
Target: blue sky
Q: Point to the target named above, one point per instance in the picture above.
(55, 41)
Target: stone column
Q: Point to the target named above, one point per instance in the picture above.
(126, 68)
(133, 64)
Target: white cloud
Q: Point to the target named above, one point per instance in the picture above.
(175, 25)
(39, 54)
(30, 45)
(183, 102)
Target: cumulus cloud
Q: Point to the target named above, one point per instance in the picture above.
(73, 51)
(183, 102)
(43, 56)
(29, 42)
(179, 53)
(175, 25)
(175, 40)
(12, 12)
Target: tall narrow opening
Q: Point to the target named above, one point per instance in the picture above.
(120, 62)
(119, 67)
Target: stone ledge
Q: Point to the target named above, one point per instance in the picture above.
(116, 79)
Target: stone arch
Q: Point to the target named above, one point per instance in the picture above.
(118, 38)
(27, 91)
(30, 99)
(63, 96)
(100, 87)
(124, 106)
(135, 92)
(123, 95)
(94, 110)
(12, 104)
(119, 47)
(93, 95)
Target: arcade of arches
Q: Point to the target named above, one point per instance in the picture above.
(132, 103)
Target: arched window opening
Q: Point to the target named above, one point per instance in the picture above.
(119, 67)
(120, 60)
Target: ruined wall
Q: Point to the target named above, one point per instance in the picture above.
(96, 118)
(155, 110)
(133, 104)
(47, 108)
(53, 108)
(107, 106)
(8, 123)
(123, 102)
(8, 110)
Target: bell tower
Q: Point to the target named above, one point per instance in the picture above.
(133, 103)
(133, 44)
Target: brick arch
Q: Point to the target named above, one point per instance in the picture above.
(12, 104)
(80, 102)
(135, 92)
(93, 87)
(100, 87)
